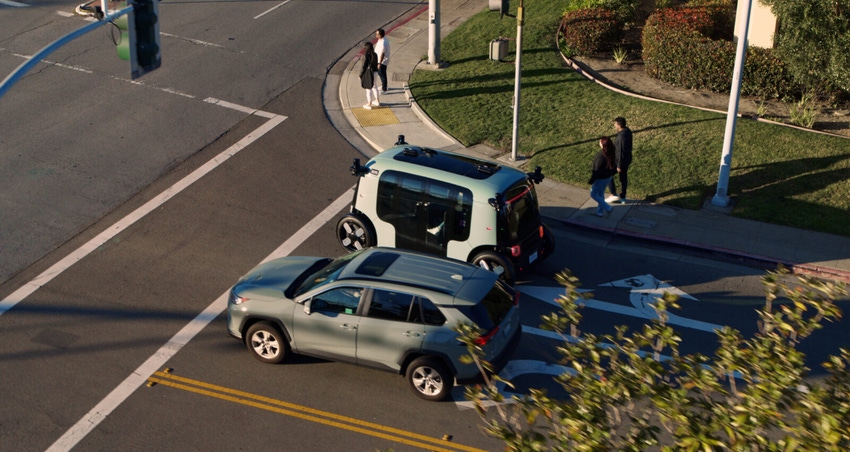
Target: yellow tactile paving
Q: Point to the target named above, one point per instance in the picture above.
(377, 116)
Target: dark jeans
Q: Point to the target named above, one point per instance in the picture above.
(624, 183)
(382, 72)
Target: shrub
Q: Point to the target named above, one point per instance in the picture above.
(625, 10)
(814, 42)
(590, 31)
(675, 46)
(691, 47)
(803, 113)
(767, 77)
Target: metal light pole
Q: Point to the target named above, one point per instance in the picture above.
(520, 16)
(721, 197)
(434, 32)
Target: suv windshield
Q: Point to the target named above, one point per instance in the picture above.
(520, 216)
(327, 274)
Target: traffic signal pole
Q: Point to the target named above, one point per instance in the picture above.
(434, 32)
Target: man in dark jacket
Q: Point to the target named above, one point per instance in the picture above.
(623, 155)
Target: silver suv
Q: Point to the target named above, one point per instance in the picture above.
(447, 204)
(385, 308)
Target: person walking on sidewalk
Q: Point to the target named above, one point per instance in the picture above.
(623, 158)
(382, 49)
(603, 170)
(367, 76)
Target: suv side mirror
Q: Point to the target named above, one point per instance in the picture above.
(357, 170)
(536, 176)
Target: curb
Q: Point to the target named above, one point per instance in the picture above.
(796, 268)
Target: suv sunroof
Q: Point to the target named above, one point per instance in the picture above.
(452, 163)
(376, 264)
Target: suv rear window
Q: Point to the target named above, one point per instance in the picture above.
(493, 308)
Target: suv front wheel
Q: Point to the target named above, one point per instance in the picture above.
(266, 343)
(354, 233)
(429, 378)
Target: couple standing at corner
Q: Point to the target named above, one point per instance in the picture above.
(375, 60)
(613, 158)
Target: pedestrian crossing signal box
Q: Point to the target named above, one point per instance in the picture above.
(498, 49)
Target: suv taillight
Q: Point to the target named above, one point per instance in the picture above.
(483, 340)
(516, 250)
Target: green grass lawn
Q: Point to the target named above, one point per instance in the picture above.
(779, 175)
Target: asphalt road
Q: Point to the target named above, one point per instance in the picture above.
(79, 138)
(137, 259)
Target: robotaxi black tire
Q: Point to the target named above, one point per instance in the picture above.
(354, 233)
(495, 262)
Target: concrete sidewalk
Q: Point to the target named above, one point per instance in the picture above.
(709, 228)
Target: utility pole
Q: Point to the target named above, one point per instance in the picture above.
(520, 16)
(721, 197)
(434, 32)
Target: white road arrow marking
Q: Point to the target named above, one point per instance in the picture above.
(644, 290)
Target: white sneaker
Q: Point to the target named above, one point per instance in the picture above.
(375, 103)
(367, 106)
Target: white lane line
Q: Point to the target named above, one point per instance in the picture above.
(271, 9)
(243, 109)
(193, 41)
(53, 63)
(69, 260)
(158, 359)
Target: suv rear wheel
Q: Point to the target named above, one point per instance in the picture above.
(354, 233)
(495, 262)
(266, 343)
(429, 378)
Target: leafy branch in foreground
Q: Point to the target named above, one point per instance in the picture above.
(634, 391)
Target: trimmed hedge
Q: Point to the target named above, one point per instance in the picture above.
(590, 31)
(691, 47)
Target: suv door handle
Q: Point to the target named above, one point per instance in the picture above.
(411, 334)
(347, 326)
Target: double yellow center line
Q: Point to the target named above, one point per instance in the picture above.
(306, 413)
